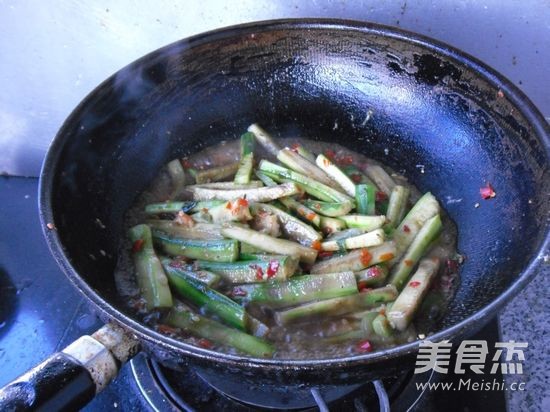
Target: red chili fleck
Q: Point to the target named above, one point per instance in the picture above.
(386, 256)
(356, 177)
(138, 245)
(310, 216)
(330, 153)
(408, 262)
(272, 268)
(325, 254)
(316, 244)
(487, 192)
(363, 287)
(186, 164)
(414, 284)
(166, 329)
(229, 205)
(365, 346)
(346, 160)
(242, 202)
(205, 343)
(295, 147)
(381, 196)
(366, 257)
(406, 229)
(259, 271)
(238, 292)
(374, 272)
(452, 265)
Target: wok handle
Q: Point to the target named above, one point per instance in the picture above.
(70, 379)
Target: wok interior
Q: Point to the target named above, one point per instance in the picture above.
(396, 101)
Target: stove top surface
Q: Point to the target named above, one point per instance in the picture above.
(40, 313)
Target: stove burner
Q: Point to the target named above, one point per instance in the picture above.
(191, 390)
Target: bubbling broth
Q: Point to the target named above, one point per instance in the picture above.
(287, 248)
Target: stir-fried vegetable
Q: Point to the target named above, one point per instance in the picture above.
(316, 238)
(150, 275)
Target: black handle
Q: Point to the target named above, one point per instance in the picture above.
(60, 383)
(68, 380)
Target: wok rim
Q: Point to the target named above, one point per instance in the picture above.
(144, 333)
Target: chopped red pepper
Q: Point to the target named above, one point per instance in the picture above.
(366, 257)
(186, 164)
(259, 271)
(310, 216)
(381, 196)
(272, 268)
(363, 287)
(325, 254)
(487, 192)
(408, 262)
(414, 284)
(242, 202)
(205, 343)
(138, 245)
(374, 272)
(406, 229)
(166, 329)
(386, 256)
(330, 153)
(316, 245)
(345, 160)
(356, 177)
(295, 147)
(229, 206)
(365, 346)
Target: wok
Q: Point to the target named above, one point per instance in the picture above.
(396, 96)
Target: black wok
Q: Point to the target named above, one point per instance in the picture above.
(366, 86)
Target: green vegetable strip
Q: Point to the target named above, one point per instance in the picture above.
(364, 222)
(203, 276)
(177, 176)
(175, 207)
(250, 271)
(335, 173)
(357, 176)
(213, 250)
(416, 250)
(253, 184)
(302, 151)
(207, 300)
(365, 197)
(247, 143)
(425, 208)
(381, 178)
(218, 333)
(265, 140)
(270, 244)
(293, 205)
(297, 163)
(216, 173)
(356, 260)
(293, 228)
(245, 169)
(382, 326)
(311, 186)
(410, 298)
(331, 225)
(331, 209)
(151, 278)
(201, 231)
(373, 276)
(262, 194)
(337, 306)
(397, 205)
(299, 289)
(369, 239)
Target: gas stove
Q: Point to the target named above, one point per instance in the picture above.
(41, 313)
